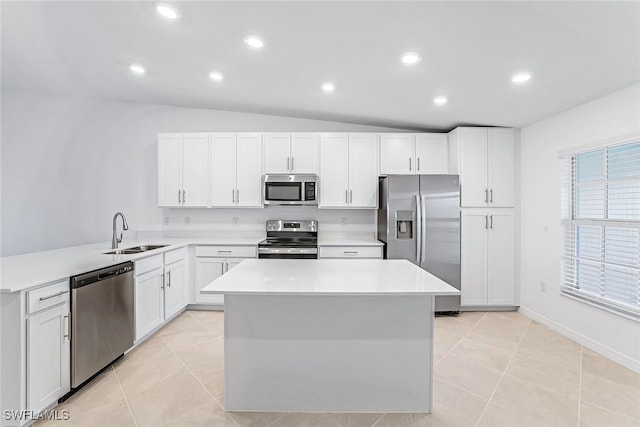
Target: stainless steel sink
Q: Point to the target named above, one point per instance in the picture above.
(135, 249)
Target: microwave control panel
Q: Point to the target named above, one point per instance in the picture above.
(310, 190)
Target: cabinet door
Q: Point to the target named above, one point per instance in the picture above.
(473, 167)
(363, 170)
(195, 173)
(223, 169)
(304, 153)
(501, 272)
(334, 170)
(232, 262)
(501, 167)
(249, 170)
(208, 270)
(48, 357)
(473, 257)
(170, 170)
(277, 153)
(397, 154)
(174, 300)
(432, 153)
(149, 302)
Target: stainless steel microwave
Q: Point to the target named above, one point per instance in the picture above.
(290, 190)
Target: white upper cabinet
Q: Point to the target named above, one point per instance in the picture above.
(183, 170)
(249, 170)
(432, 154)
(291, 153)
(236, 170)
(485, 160)
(397, 152)
(409, 154)
(348, 171)
(223, 169)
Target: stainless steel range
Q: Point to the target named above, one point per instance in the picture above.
(290, 239)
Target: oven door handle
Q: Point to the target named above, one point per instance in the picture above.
(288, 251)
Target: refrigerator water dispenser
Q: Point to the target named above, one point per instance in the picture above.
(404, 224)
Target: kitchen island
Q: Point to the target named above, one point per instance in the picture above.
(328, 335)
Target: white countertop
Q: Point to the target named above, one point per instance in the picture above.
(21, 272)
(337, 241)
(328, 277)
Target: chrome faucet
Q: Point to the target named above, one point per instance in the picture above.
(115, 239)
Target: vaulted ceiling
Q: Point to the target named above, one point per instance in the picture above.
(576, 51)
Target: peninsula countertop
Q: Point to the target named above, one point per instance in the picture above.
(328, 277)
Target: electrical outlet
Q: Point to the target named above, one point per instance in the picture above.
(187, 220)
(234, 220)
(166, 220)
(543, 286)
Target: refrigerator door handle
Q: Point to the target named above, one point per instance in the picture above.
(418, 234)
(423, 229)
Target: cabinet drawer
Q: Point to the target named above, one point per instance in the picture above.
(47, 296)
(175, 255)
(226, 251)
(350, 252)
(148, 264)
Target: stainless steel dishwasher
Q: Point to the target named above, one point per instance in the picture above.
(102, 319)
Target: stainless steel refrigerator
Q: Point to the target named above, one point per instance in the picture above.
(419, 220)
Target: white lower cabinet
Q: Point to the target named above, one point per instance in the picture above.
(370, 252)
(214, 261)
(487, 257)
(48, 355)
(160, 290)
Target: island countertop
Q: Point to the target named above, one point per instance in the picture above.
(328, 277)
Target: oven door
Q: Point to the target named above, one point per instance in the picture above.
(288, 253)
(283, 193)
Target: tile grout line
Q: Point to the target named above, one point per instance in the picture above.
(504, 372)
(126, 400)
(580, 385)
(454, 346)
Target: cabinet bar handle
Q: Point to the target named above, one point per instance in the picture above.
(233, 196)
(288, 162)
(292, 167)
(491, 223)
(491, 195)
(486, 195)
(350, 196)
(418, 164)
(53, 296)
(169, 279)
(184, 196)
(66, 326)
(224, 252)
(346, 196)
(350, 252)
(409, 163)
(162, 285)
(179, 199)
(486, 222)
(237, 196)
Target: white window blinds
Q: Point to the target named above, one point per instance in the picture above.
(601, 223)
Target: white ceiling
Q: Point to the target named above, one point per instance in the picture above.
(577, 51)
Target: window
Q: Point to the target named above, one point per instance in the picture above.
(601, 222)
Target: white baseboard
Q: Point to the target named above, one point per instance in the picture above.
(587, 342)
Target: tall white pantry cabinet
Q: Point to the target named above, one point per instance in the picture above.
(485, 160)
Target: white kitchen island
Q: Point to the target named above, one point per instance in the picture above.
(328, 335)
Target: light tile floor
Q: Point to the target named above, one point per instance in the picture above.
(491, 369)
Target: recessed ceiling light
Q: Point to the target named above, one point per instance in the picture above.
(410, 58)
(137, 69)
(521, 77)
(440, 100)
(167, 11)
(216, 76)
(254, 42)
(328, 87)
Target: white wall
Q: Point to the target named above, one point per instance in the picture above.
(68, 164)
(614, 115)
